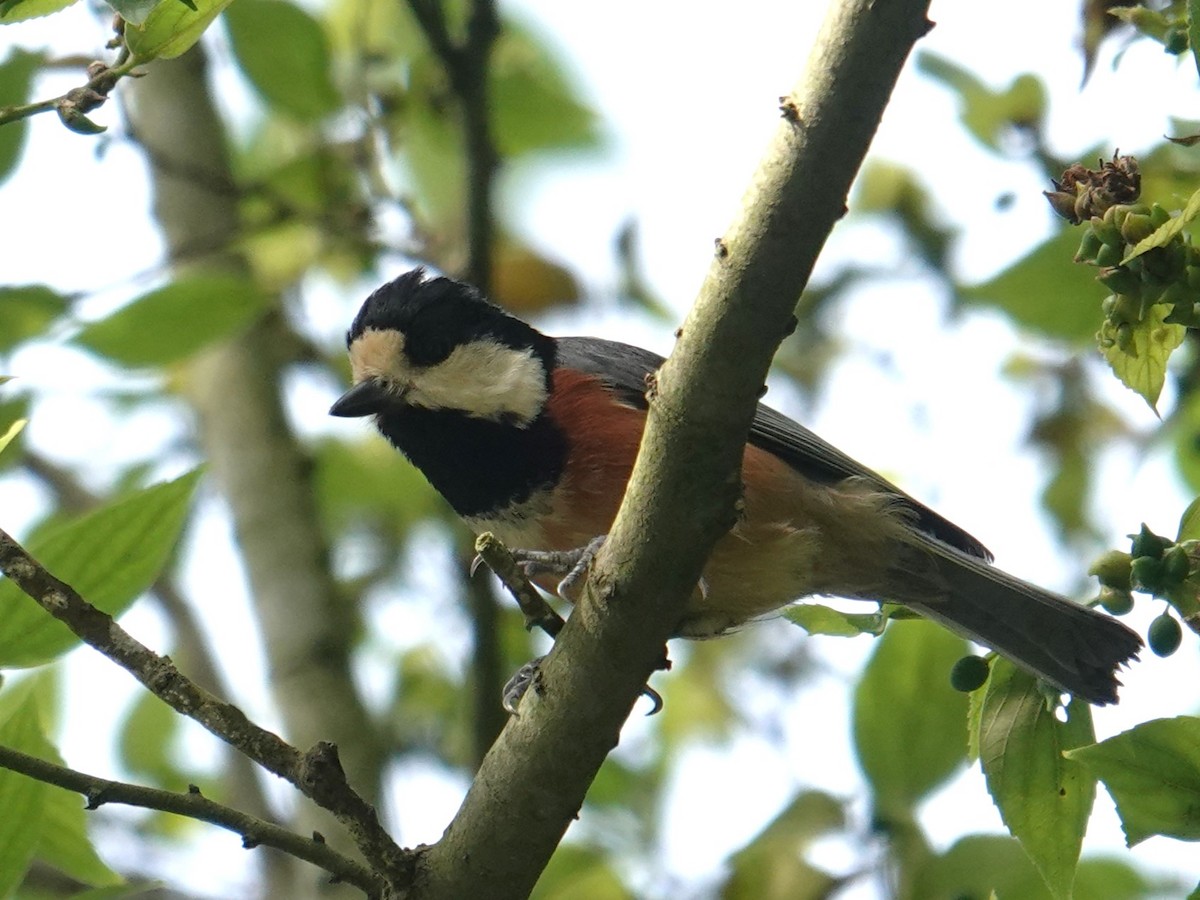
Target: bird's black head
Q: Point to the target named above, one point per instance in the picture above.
(438, 344)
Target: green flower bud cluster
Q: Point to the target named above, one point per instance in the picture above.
(1154, 565)
(1168, 274)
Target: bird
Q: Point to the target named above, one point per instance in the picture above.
(533, 438)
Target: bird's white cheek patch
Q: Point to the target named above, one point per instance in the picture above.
(482, 378)
(485, 380)
(379, 354)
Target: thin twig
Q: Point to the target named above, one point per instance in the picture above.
(538, 613)
(317, 774)
(252, 830)
(72, 105)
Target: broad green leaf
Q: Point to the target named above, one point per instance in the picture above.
(817, 619)
(364, 483)
(62, 840)
(110, 556)
(534, 106)
(979, 865)
(1153, 774)
(134, 12)
(1143, 367)
(16, 76)
(988, 114)
(172, 322)
(22, 798)
(285, 54)
(1111, 878)
(1045, 291)
(1044, 798)
(772, 866)
(1189, 523)
(575, 872)
(19, 10)
(12, 432)
(171, 28)
(146, 738)
(1168, 231)
(908, 720)
(27, 311)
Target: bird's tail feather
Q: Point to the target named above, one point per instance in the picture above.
(1074, 647)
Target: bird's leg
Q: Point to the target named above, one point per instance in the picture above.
(571, 568)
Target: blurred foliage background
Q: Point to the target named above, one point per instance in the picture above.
(301, 153)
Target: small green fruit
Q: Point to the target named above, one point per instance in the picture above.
(1116, 602)
(969, 674)
(1164, 635)
(1112, 568)
(1147, 543)
(1147, 574)
(1176, 565)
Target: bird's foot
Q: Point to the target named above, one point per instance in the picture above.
(569, 566)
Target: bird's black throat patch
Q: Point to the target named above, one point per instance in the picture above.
(479, 465)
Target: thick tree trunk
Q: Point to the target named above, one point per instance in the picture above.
(254, 458)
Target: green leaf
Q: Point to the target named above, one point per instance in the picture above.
(145, 742)
(16, 77)
(576, 871)
(1143, 367)
(1168, 231)
(908, 720)
(20, 10)
(61, 840)
(22, 798)
(534, 107)
(772, 866)
(1044, 291)
(1189, 523)
(1153, 774)
(1110, 878)
(171, 28)
(285, 54)
(817, 619)
(979, 865)
(64, 842)
(13, 430)
(134, 12)
(1043, 798)
(172, 322)
(27, 311)
(110, 556)
(1193, 30)
(988, 114)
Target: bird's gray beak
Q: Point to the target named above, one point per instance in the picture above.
(364, 399)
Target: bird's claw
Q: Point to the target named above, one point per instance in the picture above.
(516, 687)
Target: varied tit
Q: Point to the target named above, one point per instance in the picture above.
(533, 438)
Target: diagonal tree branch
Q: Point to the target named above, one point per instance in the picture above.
(317, 774)
(532, 783)
(252, 830)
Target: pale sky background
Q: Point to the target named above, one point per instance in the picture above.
(688, 96)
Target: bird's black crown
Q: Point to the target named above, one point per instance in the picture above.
(438, 314)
